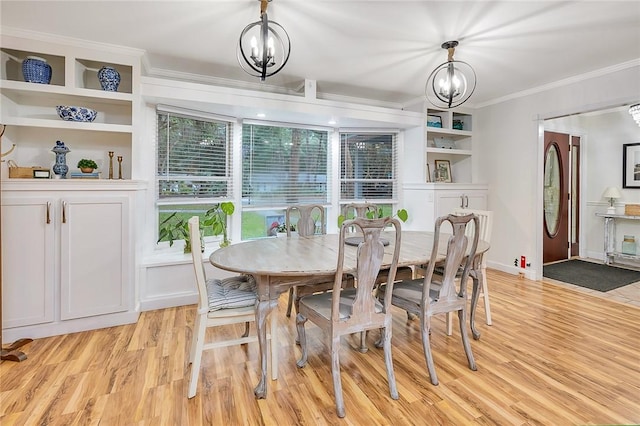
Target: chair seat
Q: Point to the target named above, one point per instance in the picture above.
(411, 290)
(321, 303)
(229, 293)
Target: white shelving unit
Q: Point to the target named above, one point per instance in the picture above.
(29, 109)
(57, 280)
(460, 156)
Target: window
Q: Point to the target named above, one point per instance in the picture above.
(368, 167)
(280, 166)
(193, 163)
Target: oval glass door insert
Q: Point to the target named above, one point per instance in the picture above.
(552, 190)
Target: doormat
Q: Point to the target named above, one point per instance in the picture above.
(595, 276)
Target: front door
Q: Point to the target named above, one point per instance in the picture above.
(556, 200)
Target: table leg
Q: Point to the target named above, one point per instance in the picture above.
(264, 306)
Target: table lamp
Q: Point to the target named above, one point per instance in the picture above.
(612, 193)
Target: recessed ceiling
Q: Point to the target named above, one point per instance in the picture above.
(382, 50)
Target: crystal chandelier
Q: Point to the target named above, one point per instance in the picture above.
(264, 46)
(452, 82)
(634, 110)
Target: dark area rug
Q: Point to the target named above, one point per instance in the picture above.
(595, 276)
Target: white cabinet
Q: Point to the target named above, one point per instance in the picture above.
(29, 109)
(68, 256)
(28, 260)
(451, 142)
(428, 201)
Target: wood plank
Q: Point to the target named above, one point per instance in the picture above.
(553, 356)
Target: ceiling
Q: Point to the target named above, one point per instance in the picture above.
(373, 49)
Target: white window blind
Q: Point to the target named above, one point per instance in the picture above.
(368, 166)
(283, 165)
(193, 158)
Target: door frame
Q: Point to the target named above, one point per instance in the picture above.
(545, 125)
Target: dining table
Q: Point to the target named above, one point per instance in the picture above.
(278, 263)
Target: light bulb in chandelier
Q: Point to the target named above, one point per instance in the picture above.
(452, 82)
(634, 111)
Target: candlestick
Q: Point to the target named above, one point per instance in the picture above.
(119, 166)
(110, 164)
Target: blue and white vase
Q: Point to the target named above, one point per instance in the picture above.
(109, 79)
(36, 70)
(61, 168)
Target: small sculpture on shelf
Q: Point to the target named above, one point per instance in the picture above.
(110, 164)
(109, 78)
(60, 168)
(120, 167)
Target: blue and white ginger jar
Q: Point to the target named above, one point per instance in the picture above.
(36, 70)
(109, 79)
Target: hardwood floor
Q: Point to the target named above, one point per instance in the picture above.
(554, 356)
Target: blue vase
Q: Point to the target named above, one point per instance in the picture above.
(36, 70)
(61, 168)
(109, 79)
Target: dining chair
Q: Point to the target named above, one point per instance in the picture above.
(222, 302)
(311, 220)
(486, 225)
(427, 296)
(363, 210)
(352, 310)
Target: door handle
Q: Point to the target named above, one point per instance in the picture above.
(64, 215)
(48, 212)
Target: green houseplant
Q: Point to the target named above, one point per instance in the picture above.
(176, 227)
(87, 166)
(379, 213)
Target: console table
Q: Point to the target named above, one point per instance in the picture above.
(610, 237)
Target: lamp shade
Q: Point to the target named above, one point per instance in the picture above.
(611, 192)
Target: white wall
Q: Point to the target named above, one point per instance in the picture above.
(510, 158)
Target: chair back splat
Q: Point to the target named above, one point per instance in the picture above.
(351, 310)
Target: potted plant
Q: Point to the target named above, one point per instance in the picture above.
(87, 166)
(176, 227)
(400, 214)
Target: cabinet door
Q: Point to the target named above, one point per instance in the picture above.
(28, 263)
(448, 201)
(95, 251)
(476, 200)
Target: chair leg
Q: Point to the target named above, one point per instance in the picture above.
(300, 321)
(194, 338)
(274, 347)
(197, 345)
(388, 362)
(335, 373)
(485, 296)
(449, 323)
(426, 345)
(462, 316)
(290, 301)
(363, 342)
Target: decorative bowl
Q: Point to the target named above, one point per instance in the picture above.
(76, 113)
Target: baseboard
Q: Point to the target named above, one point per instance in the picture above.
(56, 328)
(528, 273)
(168, 301)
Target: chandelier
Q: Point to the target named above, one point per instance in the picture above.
(634, 110)
(452, 82)
(264, 46)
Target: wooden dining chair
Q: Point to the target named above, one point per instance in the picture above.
(310, 221)
(364, 210)
(222, 302)
(431, 295)
(352, 310)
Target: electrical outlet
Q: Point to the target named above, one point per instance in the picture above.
(515, 262)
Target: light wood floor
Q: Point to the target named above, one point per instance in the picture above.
(554, 356)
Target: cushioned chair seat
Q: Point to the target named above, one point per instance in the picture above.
(321, 303)
(235, 292)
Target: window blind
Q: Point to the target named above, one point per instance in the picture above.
(193, 158)
(283, 165)
(368, 166)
